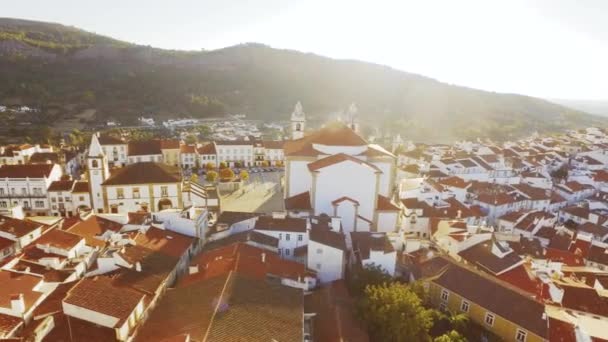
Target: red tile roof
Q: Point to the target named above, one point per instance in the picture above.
(92, 227)
(244, 259)
(165, 241)
(207, 149)
(59, 239)
(385, 204)
(333, 135)
(26, 170)
(80, 187)
(17, 227)
(298, 202)
(63, 185)
(344, 198)
(99, 295)
(143, 148)
(339, 158)
(287, 224)
(144, 173)
(9, 324)
(334, 311)
(18, 283)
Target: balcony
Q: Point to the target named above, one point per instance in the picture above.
(5, 195)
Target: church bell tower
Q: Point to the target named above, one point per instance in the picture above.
(298, 122)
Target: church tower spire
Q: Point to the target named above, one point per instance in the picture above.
(351, 117)
(298, 122)
(98, 172)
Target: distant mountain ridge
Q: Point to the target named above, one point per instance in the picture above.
(595, 107)
(65, 70)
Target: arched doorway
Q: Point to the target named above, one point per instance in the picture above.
(165, 203)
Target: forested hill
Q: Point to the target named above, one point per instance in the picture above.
(64, 70)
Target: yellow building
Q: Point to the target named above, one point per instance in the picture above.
(170, 151)
(507, 312)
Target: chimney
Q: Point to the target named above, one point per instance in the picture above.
(193, 269)
(336, 224)
(459, 213)
(138, 266)
(263, 257)
(18, 303)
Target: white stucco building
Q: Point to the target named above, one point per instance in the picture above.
(342, 176)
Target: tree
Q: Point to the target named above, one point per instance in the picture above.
(190, 139)
(363, 277)
(88, 97)
(76, 137)
(226, 174)
(223, 165)
(244, 175)
(204, 130)
(393, 312)
(445, 323)
(194, 178)
(451, 336)
(211, 176)
(265, 163)
(209, 166)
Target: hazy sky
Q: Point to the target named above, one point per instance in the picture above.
(546, 48)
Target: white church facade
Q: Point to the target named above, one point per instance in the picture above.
(334, 171)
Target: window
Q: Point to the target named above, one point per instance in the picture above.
(1, 191)
(279, 251)
(120, 193)
(81, 198)
(464, 306)
(287, 237)
(287, 251)
(3, 204)
(319, 251)
(39, 204)
(319, 267)
(280, 236)
(300, 237)
(94, 163)
(443, 306)
(445, 295)
(26, 204)
(164, 191)
(521, 335)
(489, 319)
(135, 192)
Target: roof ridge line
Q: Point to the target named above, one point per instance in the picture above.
(217, 306)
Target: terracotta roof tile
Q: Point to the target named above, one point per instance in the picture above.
(99, 295)
(339, 158)
(288, 224)
(165, 241)
(385, 204)
(495, 297)
(59, 239)
(298, 202)
(17, 227)
(26, 170)
(63, 185)
(144, 173)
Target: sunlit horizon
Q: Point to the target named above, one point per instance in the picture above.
(538, 48)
